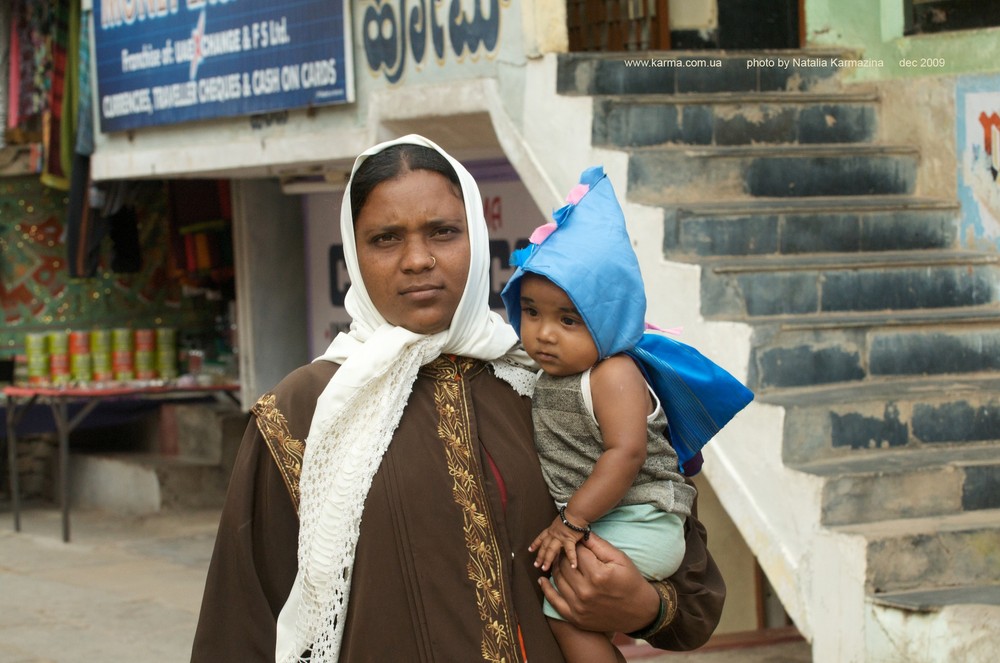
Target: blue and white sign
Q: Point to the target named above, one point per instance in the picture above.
(169, 61)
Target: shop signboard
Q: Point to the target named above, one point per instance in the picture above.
(170, 61)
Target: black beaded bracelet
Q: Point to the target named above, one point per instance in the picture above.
(583, 530)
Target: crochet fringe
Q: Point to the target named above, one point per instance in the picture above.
(337, 471)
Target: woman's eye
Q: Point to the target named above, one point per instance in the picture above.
(383, 238)
(444, 231)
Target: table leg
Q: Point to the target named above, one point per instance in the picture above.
(59, 410)
(12, 473)
(65, 425)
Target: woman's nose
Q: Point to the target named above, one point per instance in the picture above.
(417, 257)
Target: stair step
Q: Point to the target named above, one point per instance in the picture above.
(815, 204)
(912, 353)
(849, 319)
(796, 226)
(879, 347)
(885, 259)
(931, 552)
(665, 175)
(725, 120)
(870, 419)
(694, 72)
(854, 95)
(772, 286)
(931, 600)
(211, 433)
(141, 483)
(956, 623)
(907, 483)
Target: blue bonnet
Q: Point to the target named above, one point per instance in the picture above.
(588, 254)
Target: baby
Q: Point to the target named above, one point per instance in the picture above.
(603, 436)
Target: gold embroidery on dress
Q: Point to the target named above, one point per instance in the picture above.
(286, 450)
(484, 567)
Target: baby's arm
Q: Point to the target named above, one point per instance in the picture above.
(621, 406)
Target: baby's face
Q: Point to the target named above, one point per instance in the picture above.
(552, 330)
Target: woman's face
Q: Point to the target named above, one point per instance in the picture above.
(413, 250)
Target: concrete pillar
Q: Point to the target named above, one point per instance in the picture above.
(270, 261)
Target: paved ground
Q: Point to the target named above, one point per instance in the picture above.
(128, 589)
(789, 652)
(124, 589)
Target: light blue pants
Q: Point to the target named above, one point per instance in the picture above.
(652, 539)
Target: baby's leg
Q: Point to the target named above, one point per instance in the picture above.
(584, 646)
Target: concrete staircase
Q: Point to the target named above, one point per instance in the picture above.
(875, 334)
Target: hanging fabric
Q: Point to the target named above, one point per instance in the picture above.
(54, 173)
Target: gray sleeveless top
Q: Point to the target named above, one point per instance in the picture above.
(569, 442)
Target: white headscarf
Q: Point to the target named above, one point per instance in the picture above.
(358, 412)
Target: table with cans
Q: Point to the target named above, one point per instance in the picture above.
(19, 399)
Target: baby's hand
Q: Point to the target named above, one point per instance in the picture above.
(553, 539)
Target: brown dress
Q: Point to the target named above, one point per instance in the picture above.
(442, 570)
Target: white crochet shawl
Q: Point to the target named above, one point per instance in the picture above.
(357, 414)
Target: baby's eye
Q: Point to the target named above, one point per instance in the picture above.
(569, 322)
(528, 311)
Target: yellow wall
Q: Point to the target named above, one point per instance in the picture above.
(735, 560)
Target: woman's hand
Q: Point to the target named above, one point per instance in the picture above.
(604, 592)
(553, 539)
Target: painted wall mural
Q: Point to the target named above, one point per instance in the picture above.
(978, 113)
(401, 33)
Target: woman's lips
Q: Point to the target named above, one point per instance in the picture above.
(421, 293)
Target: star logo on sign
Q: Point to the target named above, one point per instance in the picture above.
(196, 36)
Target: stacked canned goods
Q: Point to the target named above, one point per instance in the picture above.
(145, 354)
(80, 359)
(122, 358)
(59, 357)
(100, 355)
(36, 348)
(166, 352)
